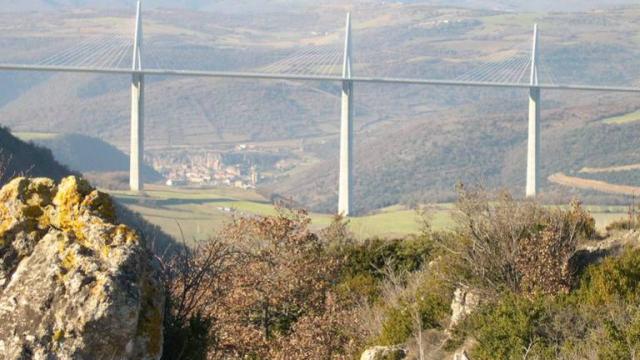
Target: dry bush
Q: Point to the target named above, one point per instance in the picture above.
(263, 291)
(5, 164)
(327, 335)
(278, 289)
(544, 257)
(196, 279)
(504, 244)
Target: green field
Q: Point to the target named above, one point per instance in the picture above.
(196, 213)
(623, 119)
(33, 136)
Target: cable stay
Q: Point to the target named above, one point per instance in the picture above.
(319, 61)
(92, 53)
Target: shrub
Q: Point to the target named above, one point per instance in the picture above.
(515, 326)
(359, 287)
(373, 255)
(519, 246)
(421, 302)
(195, 281)
(188, 338)
(283, 274)
(619, 225)
(328, 335)
(397, 327)
(264, 292)
(615, 279)
(632, 222)
(600, 320)
(613, 332)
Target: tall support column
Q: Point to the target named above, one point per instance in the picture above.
(137, 110)
(346, 129)
(533, 152)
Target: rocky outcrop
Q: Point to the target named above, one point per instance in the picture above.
(384, 353)
(461, 355)
(464, 303)
(73, 283)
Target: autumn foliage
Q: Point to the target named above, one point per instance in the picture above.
(281, 275)
(272, 293)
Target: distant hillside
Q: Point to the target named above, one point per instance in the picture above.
(520, 5)
(219, 5)
(87, 154)
(411, 144)
(417, 163)
(20, 158)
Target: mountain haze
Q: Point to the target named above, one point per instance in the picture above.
(239, 6)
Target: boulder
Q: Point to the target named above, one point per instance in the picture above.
(384, 353)
(73, 283)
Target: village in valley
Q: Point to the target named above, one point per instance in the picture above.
(243, 166)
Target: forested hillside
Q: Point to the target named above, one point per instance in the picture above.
(19, 158)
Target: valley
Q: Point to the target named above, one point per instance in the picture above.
(183, 206)
(413, 144)
(197, 214)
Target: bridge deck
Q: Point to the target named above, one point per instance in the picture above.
(295, 77)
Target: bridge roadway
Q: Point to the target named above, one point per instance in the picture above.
(293, 77)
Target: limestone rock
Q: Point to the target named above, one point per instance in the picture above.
(464, 303)
(461, 355)
(73, 284)
(384, 353)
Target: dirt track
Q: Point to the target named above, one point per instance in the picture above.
(576, 182)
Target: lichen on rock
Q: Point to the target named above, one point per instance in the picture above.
(73, 283)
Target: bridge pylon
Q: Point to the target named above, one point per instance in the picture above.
(136, 156)
(533, 151)
(346, 129)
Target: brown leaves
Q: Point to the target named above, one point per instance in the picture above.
(544, 256)
(278, 287)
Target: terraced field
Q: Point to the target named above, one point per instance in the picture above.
(588, 184)
(623, 119)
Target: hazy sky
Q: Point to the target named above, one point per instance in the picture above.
(267, 5)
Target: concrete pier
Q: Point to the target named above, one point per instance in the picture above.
(346, 130)
(533, 151)
(136, 156)
(137, 133)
